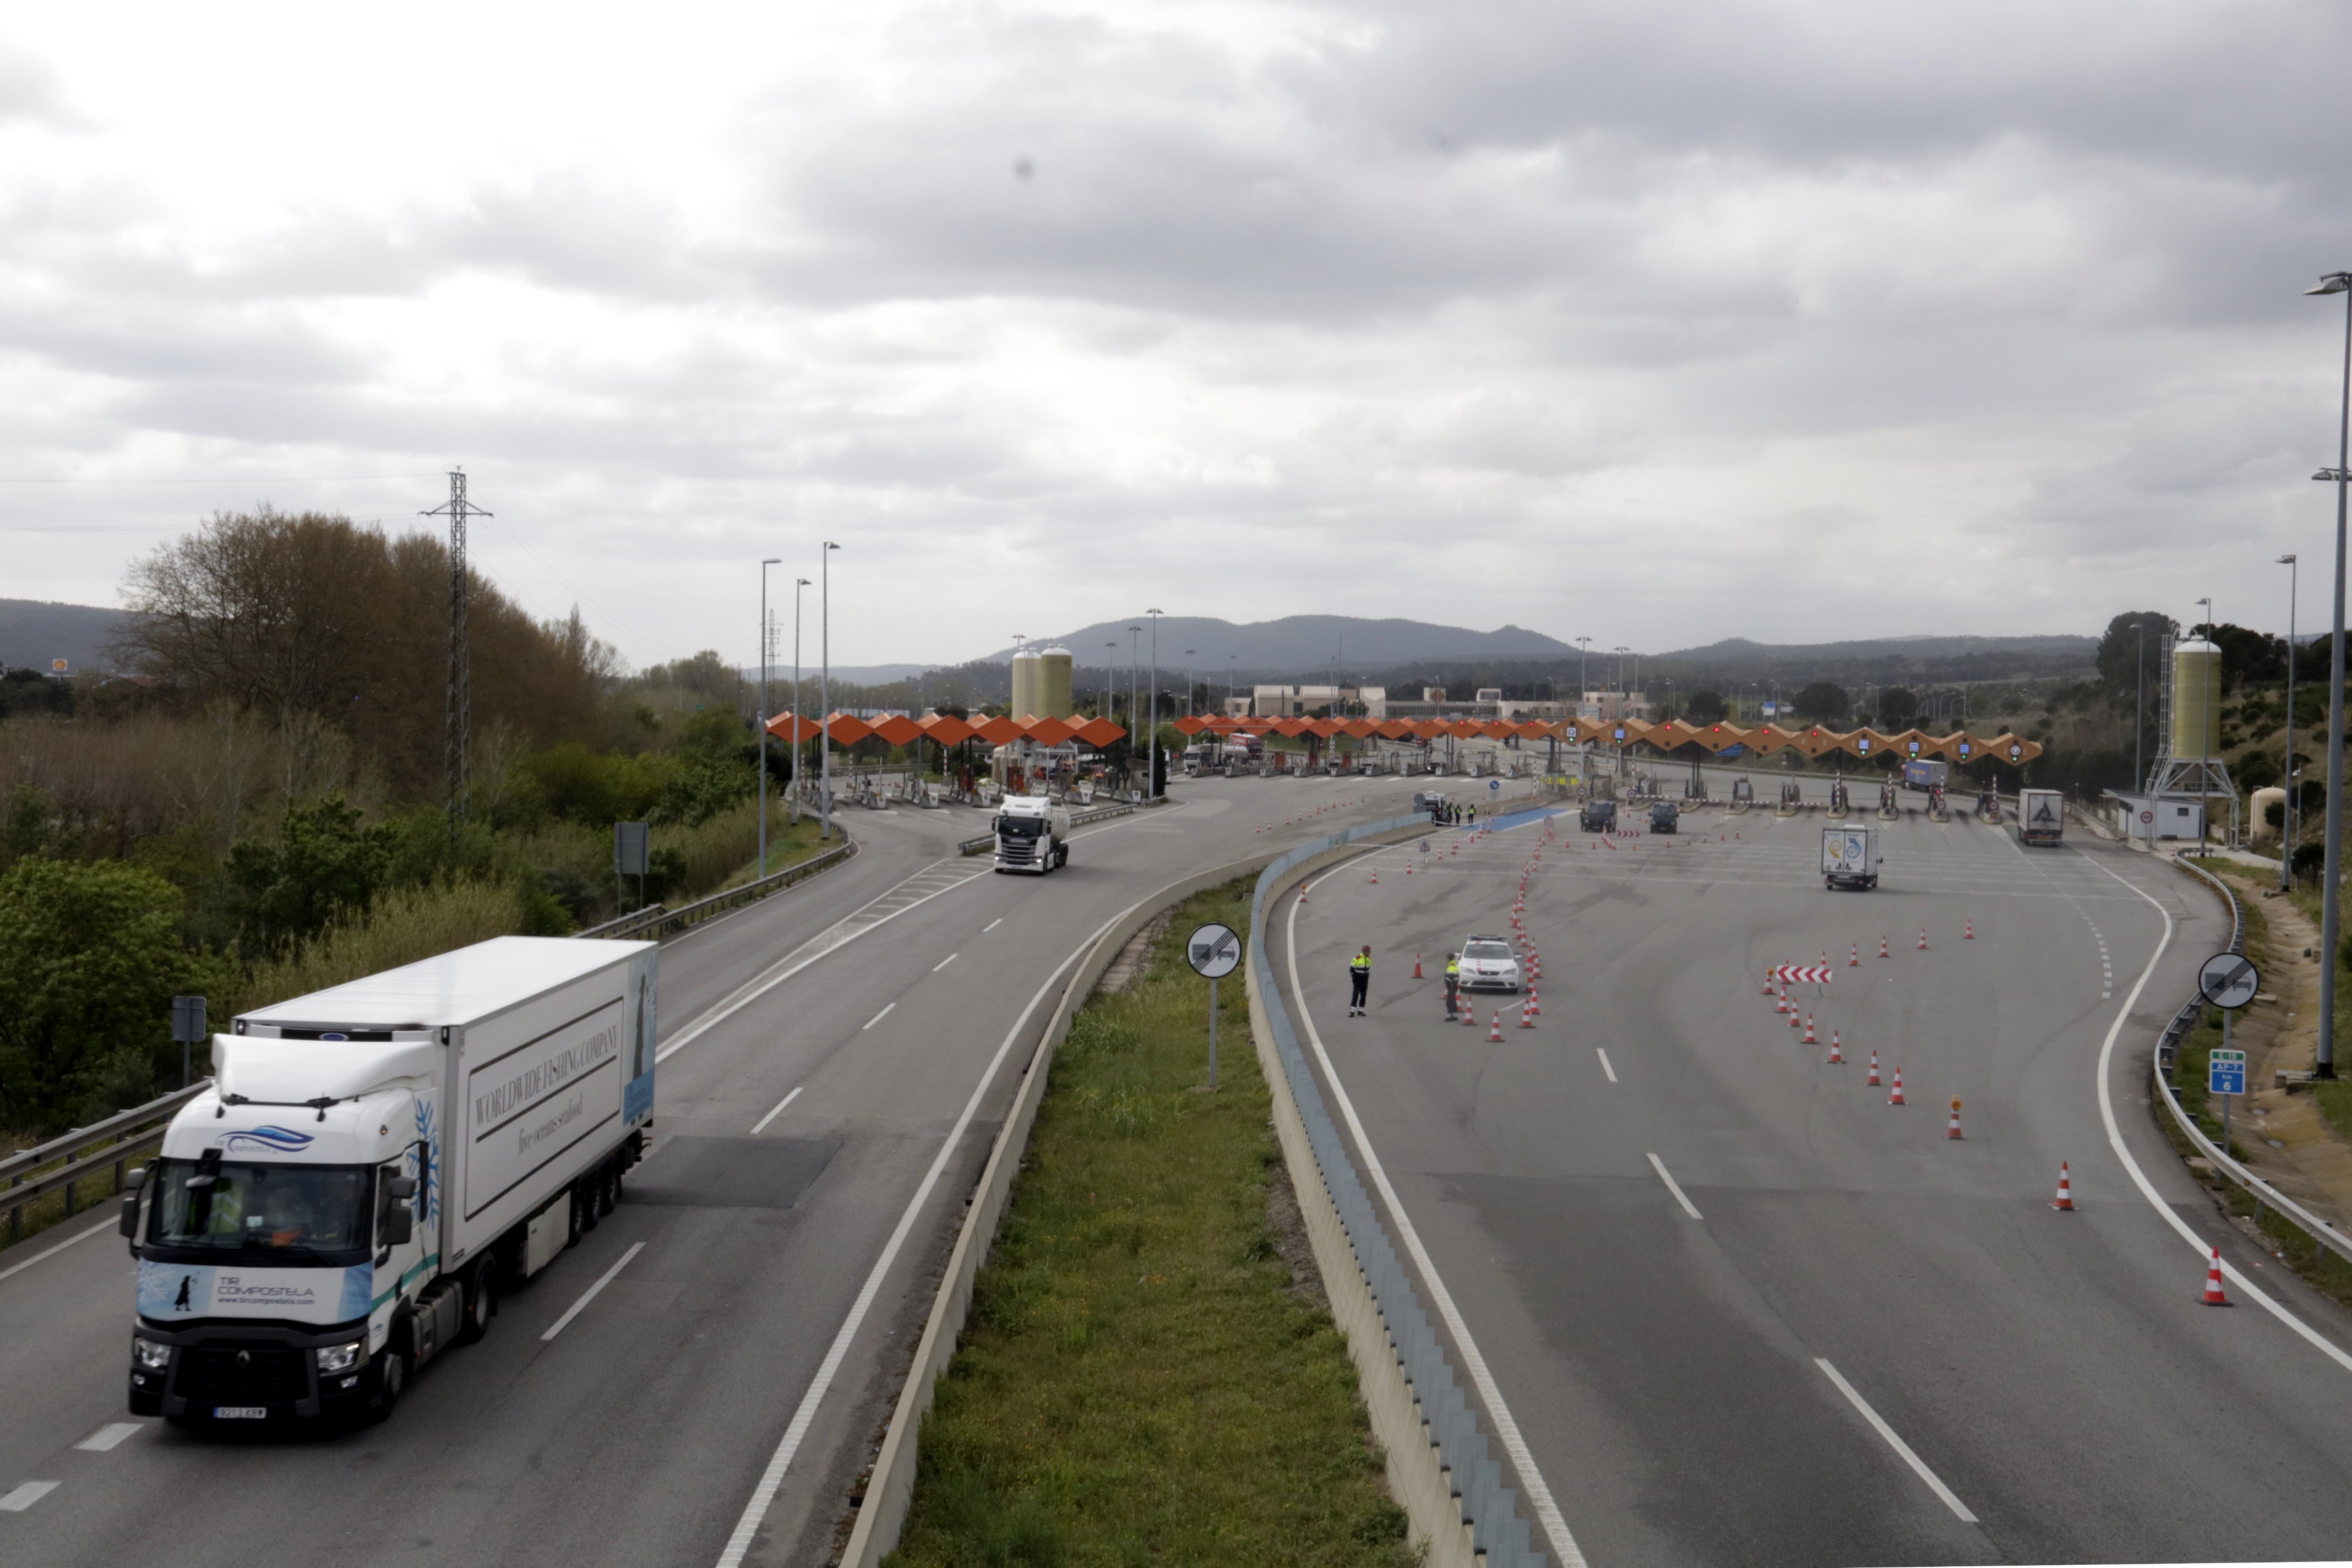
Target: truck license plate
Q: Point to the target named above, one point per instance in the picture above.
(240, 1413)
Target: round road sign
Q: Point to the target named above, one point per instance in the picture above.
(1215, 950)
(2146, 816)
(2228, 980)
(1494, 784)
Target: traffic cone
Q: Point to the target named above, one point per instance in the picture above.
(1922, 938)
(1796, 1017)
(1971, 933)
(1873, 1079)
(2064, 1201)
(1496, 1034)
(1837, 1052)
(1408, 867)
(1855, 962)
(1783, 1005)
(1376, 875)
(1526, 1017)
(2213, 1296)
(1896, 1098)
(1768, 983)
(1811, 1038)
(1469, 1014)
(1534, 1002)
(1416, 966)
(1882, 947)
(1302, 892)
(1952, 1129)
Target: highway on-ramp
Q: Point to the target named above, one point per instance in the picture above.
(702, 1380)
(1743, 1310)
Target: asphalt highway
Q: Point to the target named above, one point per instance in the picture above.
(703, 1378)
(1691, 1252)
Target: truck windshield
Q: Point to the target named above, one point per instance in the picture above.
(262, 1211)
(1020, 827)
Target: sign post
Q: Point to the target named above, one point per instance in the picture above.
(2229, 981)
(1214, 952)
(187, 1028)
(631, 855)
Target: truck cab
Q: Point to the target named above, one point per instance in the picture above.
(1597, 816)
(1032, 835)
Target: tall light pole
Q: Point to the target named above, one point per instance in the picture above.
(2286, 808)
(1583, 646)
(1134, 692)
(2211, 721)
(1151, 758)
(2335, 283)
(798, 583)
(1188, 655)
(1110, 681)
(762, 725)
(2139, 705)
(824, 690)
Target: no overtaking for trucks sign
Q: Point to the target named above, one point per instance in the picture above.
(2228, 980)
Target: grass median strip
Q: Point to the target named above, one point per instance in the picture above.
(1141, 1379)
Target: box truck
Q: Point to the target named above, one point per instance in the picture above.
(1927, 775)
(2041, 816)
(372, 1165)
(1850, 857)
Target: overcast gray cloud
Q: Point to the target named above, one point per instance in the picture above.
(1784, 320)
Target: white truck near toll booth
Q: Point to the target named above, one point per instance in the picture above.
(1033, 834)
(2041, 816)
(1850, 857)
(372, 1165)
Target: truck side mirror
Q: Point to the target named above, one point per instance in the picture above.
(402, 1188)
(130, 1222)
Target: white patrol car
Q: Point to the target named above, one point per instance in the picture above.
(1488, 964)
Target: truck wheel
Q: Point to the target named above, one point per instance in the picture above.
(575, 1224)
(481, 1303)
(608, 1187)
(390, 1383)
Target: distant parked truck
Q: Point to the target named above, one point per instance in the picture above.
(1850, 857)
(1925, 775)
(2041, 816)
(293, 1265)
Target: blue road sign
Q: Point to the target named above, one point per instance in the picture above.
(2226, 1073)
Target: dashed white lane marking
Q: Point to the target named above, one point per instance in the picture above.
(796, 1094)
(589, 1294)
(1918, 1465)
(1603, 1054)
(24, 1495)
(943, 963)
(992, 925)
(1674, 1186)
(877, 1017)
(109, 1438)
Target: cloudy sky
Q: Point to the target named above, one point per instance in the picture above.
(1650, 323)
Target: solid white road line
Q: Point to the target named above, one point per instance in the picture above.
(1603, 1054)
(877, 1017)
(1918, 1465)
(755, 1511)
(992, 925)
(25, 1495)
(1507, 1428)
(590, 1294)
(943, 963)
(109, 1438)
(52, 1252)
(1674, 1186)
(2197, 1244)
(796, 1094)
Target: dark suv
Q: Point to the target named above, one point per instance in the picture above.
(1664, 816)
(1598, 815)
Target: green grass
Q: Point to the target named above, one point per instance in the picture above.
(1138, 1382)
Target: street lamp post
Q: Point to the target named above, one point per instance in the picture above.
(1151, 756)
(1583, 646)
(2286, 807)
(1190, 654)
(825, 690)
(798, 583)
(2139, 704)
(762, 725)
(2204, 728)
(2335, 283)
(1134, 684)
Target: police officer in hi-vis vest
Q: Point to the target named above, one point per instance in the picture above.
(1360, 980)
(1452, 984)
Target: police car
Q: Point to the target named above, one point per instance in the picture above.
(1488, 964)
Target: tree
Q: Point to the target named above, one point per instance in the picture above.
(1824, 701)
(90, 961)
(1703, 708)
(325, 864)
(2126, 658)
(1897, 706)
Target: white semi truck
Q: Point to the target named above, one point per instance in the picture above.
(1033, 834)
(372, 1165)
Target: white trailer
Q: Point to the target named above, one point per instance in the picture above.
(1850, 857)
(373, 1164)
(2041, 818)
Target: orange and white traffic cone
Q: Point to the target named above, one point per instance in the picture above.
(1882, 947)
(1469, 1014)
(1952, 1129)
(1873, 1079)
(1969, 934)
(1302, 892)
(1526, 1017)
(1782, 1005)
(1416, 966)
(2213, 1296)
(1496, 1034)
(2064, 1201)
(1896, 1098)
(1922, 938)
(1534, 1002)
(1376, 875)
(1768, 983)
(1811, 1038)
(1855, 962)
(1796, 1017)
(1837, 1052)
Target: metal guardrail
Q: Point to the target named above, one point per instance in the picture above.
(2187, 1019)
(85, 1150)
(1489, 1507)
(661, 920)
(987, 841)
